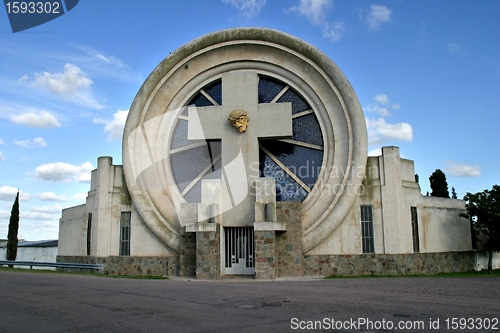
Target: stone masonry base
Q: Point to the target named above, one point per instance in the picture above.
(136, 266)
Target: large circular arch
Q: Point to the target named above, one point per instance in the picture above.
(267, 52)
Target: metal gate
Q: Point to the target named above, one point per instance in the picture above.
(239, 250)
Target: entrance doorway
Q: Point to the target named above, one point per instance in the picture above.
(239, 250)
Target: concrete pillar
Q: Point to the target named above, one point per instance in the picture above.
(102, 217)
(397, 235)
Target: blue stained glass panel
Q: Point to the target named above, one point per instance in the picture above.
(298, 103)
(215, 91)
(187, 165)
(305, 163)
(194, 195)
(180, 138)
(287, 189)
(307, 129)
(200, 101)
(268, 89)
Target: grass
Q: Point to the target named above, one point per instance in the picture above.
(48, 271)
(484, 273)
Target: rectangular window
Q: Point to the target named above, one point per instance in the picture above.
(89, 232)
(125, 234)
(414, 229)
(367, 229)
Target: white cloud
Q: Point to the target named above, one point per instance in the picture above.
(28, 215)
(52, 209)
(379, 131)
(9, 194)
(81, 196)
(381, 98)
(104, 65)
(375, 152)
(463, 170)
(37, 142)
(114, 127)
(68, 83)
(1, 141)
(247, 8)
(40, 142)
(38, 119)
(334, 31)
(314, 10)
(73, 85)
(50, 196)
(380, 106)
(108, 60)
(64, 172)
(2, 158)
(377, 16)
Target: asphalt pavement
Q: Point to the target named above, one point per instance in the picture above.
(38, 302)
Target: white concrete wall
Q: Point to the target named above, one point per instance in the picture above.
(440, 227)
(107, 199)
(40, 254)
(482, 260)
(73, 231)
(390, 188)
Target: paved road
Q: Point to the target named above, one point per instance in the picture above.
(33, 302)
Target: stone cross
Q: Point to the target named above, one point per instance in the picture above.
(240, 151)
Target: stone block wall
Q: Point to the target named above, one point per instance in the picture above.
(389, 264)
(208, 254)
(265, 254)
(289, 243)
(137, 266)
(187, 255)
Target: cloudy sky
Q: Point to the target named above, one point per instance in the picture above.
(427, 74)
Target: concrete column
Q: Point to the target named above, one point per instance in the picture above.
(396, 233)
(102, 221)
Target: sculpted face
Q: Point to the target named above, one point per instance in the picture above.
(239, 119)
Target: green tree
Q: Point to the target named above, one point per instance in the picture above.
(439, 185)
(13, 230)
(483, 210)
(453, 193)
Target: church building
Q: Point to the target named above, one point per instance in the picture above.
(245, 153)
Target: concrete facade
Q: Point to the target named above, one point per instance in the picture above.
(322, 235)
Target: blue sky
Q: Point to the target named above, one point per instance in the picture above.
(427, 74)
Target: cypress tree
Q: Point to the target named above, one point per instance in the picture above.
(439, 185)
(13, 230)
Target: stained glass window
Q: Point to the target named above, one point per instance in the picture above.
(295, 162)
